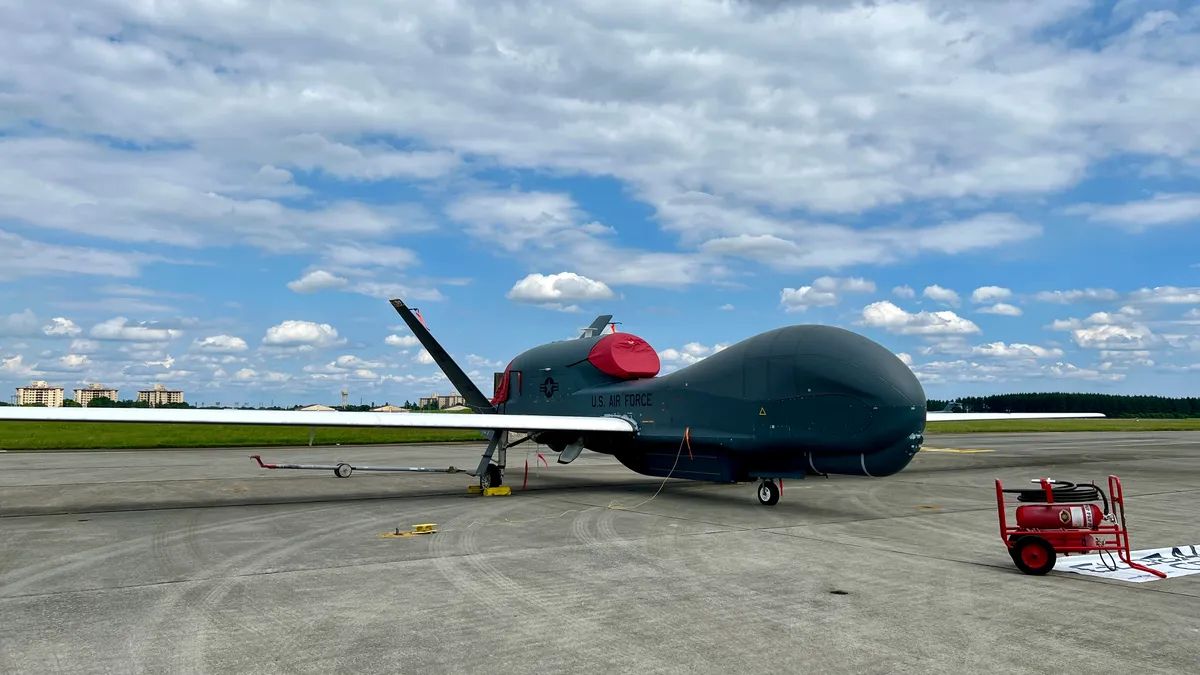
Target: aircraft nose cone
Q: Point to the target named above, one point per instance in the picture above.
(834, 360)
(846, 388)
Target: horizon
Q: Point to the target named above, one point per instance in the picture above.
(1003, 195)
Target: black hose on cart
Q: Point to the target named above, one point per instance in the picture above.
(1063, 492)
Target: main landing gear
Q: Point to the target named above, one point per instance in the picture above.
(492, 477)
(768, 492)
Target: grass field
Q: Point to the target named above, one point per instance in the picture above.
(1006, 426)
(80, 436)
(94, 435)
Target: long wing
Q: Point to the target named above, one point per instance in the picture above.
(318, 418)
(970, 417)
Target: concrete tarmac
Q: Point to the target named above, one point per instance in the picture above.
(198, 561)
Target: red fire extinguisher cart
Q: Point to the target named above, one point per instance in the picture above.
(1061, 517)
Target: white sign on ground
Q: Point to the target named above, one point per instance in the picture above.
(1174, 561)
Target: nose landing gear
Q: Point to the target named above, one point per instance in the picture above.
(768, 492)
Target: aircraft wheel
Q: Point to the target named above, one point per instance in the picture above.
(768, 493)
(342, 470)
(491, 478)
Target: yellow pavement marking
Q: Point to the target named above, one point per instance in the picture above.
(965, 451)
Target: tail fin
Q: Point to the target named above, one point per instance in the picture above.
(597, 326)
(474, 398)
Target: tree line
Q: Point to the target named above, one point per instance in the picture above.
(1111, 405)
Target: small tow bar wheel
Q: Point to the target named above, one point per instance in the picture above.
(342, 470)
(768, 493)
(1034, 555)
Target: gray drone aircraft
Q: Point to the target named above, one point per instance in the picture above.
(793, 401)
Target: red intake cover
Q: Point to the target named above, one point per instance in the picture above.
(624, 355)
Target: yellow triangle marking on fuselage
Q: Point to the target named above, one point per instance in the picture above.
(762, 412)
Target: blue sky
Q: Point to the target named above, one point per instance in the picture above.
(218, 199)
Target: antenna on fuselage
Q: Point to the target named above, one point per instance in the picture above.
(598, 325)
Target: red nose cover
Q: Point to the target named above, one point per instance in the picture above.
(624, 355)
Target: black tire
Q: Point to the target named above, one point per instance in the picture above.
(343, 470)
(1034, 555)
(491, 478)
(768, 493)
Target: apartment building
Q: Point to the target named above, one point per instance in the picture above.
(40, 393)
(443, 402)
(160, 395)
(94, 390)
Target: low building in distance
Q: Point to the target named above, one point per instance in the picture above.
(317, 407)
(40, 393)
(160, 395)
(94, 390)
(389, 408)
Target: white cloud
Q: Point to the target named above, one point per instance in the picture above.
(612, 88)
(990, 294)
(1125, 315)
(373, 162)
(253, 376)
(1015, 370)
(943, 295)
(1167, 295)
(117, 329)
(219, 344)
(480, 362)
(19, 324)
(553, 290)
(1016, 350)
(691, 352)
(423, 357)
(1161, 209)
(21, 257)
(61, 327)
(16, 367)
(1112, 336)
(73, 361)
(1001, 308)
(824, 292)
(805, 245)
(316, 280)
(347, 365)
(351, 362)
(886, 315)
(904, 292)
(549, 228)
(294, 333)
(84, 346)
(404, 341)
(1065, 297)
(1070, 371)
(1110, 330)
(725, 307)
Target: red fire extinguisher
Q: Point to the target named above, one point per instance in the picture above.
(1059, 516)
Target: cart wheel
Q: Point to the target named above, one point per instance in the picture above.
(1034, 555)
(342, 470)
